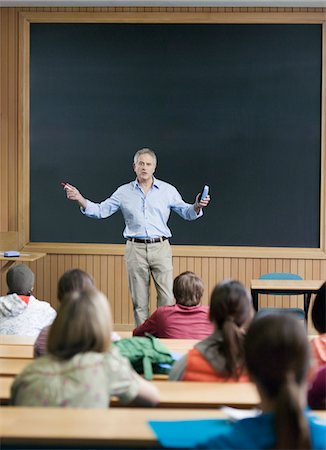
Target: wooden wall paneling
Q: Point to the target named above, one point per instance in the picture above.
(323, 270)
(12, 118)
(219, 275)
(260, 266)
(234, 268)
(4, 76)
(39, 270)
(97, 269)
(226, 268)
(198, 266)
(285, 301)
(125, 297)
(102, 281)
(205, 278)
(60, 266)
(89, 264)
(176, 265)
(183, 264)
(54, 280)
(294, 301)
(118, 300)
(110, 281)
(242, 269)
(47, 294)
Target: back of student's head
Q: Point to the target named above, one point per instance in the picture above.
(277, 359)
(231, 310)
(20, 280)
(74, 280)
(188, 289)
(318, 312)
(83, 324)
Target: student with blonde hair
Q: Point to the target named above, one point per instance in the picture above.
(220, 357)
(81, 369)
(277, 359)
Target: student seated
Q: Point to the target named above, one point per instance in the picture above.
(277, 359)
(220, 356)
(187, 319)
(318, 316)
(70, 281)
(317, 387)
(81, 368)
(20, 312)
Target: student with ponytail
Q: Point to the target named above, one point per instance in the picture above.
(220, 356)
(277, 359)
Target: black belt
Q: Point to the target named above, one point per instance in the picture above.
(148, 240)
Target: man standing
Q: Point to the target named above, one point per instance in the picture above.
(145, 204)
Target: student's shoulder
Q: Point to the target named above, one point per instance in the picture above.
(318, 432)
(41, 304)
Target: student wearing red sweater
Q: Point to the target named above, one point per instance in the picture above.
(187, 319)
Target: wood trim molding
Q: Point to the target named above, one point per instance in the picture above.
(173, 17)
(180, 250)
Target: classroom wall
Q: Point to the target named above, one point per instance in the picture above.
(107, 267)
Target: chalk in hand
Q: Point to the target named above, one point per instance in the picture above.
(65, 185)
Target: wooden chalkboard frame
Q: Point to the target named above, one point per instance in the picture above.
(26, 18)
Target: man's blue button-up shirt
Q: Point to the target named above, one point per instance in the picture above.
(145, 216)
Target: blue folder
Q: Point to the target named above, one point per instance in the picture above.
(188, 433)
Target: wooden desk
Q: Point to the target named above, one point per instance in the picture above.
(296, 287)
(13, 366)
(24, 257)
(16, 351)
(184, 394)
(190, 394)
(115, 427)
(12, 339)
(5, 385)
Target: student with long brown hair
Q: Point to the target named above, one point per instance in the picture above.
(220, 357)
(73, 280)
(277, 359)
(81, 370)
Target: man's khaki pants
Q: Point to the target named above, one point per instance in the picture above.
(142, 261)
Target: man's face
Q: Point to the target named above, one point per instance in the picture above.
(144, 167)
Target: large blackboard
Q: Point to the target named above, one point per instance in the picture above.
(237, 107)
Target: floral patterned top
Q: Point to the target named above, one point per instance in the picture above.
(87, 380)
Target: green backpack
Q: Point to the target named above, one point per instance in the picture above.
(145, 354)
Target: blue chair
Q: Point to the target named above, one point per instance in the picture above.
(299, 313)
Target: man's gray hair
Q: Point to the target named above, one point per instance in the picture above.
(144, 151)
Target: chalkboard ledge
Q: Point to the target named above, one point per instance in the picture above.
(181, 250)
